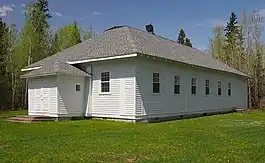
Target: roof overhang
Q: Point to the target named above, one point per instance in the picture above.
(88, 60)
(103, 59)
(32, 68)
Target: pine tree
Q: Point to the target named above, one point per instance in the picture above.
(231, 30)
(188, 42)
(181, 37)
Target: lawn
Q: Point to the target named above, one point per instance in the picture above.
(237, 137)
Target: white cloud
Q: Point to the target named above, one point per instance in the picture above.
(96, 13)
(13, 5)
(5, 9)
(57, 13)
(22, 5)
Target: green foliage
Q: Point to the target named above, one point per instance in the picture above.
(237, 137)
(188, 42)
(241, 48)
(66, 37)
(181, 37)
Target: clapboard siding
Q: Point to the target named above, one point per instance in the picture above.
(166, 103)
(70, 102)
(42, 95)
(121, 99)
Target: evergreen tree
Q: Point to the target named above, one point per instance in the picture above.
(181, 37)
(188, 42)
(231, 30)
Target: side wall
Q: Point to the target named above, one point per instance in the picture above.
(166, 103)
(70, 102)
(42, 96)
(120, 102)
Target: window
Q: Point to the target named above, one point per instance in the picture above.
(156, 84)
(207, 87)
(229, 89)
(176, 85)
(105, 82)
(219, 88)
(193, 86)
(77, 87)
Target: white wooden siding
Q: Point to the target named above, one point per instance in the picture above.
(120, 102)
(71, 102)
(42, 95)
(166, 103)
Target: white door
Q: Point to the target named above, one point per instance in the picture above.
(41, 95)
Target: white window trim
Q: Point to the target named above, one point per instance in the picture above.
(105, 93)
(230, 89)
(206, 87)
(175, 85)
(76, 85)
(218, 87)
(156, 82)
(193, 85)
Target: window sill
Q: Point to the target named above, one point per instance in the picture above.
(156, 94)
(176, 94)
(104, 93)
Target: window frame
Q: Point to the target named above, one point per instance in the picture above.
(229, 90)
(193, 86)
(76, 86)
(207, 87)
(156, 83)
(219, 88)
(108, 82)
(176, 82)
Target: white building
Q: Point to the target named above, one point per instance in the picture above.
(130, 74)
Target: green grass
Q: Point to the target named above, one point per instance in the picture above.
(238, 137)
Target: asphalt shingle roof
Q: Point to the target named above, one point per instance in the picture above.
(127, 40)
(56, 67)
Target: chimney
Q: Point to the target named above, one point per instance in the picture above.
(150, 28)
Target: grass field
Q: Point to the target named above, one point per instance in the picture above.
(238, 137)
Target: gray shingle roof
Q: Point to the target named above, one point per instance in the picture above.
(128, 40)
(56, 67)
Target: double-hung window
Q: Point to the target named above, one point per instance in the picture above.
(156, 83)
(219, 90)
(229, 89)
(176, 85)
(193, 86)
(105, 82)
(207, 87)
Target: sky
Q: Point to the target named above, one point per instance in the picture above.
(196, 17)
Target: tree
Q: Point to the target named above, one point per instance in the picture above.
(75, 35)
(66, 37)
(181, 37)
(4, 52)
(188, 42)
(217, 43)
(231, 30)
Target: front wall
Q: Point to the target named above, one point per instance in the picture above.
(70, 102)
(166, 103)
(120, 102)
(42, 95)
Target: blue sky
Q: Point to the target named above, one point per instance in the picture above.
(196, 17)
